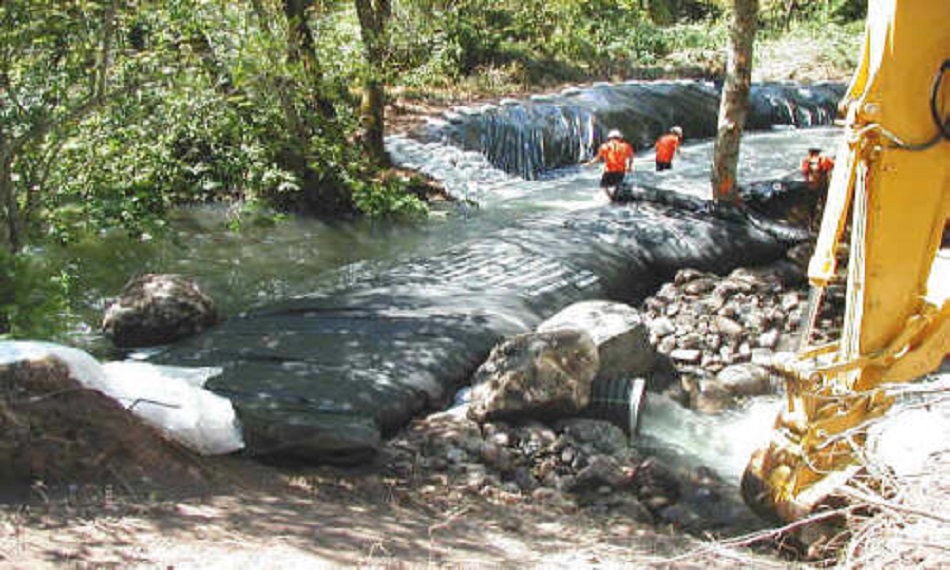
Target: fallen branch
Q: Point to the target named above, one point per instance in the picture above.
(760, 536)
(448, 520)
(885, 504)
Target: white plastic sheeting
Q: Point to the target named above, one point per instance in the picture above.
(169, 398)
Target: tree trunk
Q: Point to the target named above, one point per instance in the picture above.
(372, 120)
(323, 193)
(790, 7)
(105, 55)
(373, 15)
(302, 49)
(734, 101)
(8, 236)
(9, 213)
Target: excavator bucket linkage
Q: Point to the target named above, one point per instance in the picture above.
(892, 186)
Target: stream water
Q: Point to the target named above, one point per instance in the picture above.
(263, 265)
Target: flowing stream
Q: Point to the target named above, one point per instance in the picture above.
(263, 265)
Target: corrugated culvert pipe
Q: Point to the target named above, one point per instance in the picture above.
(620, 402)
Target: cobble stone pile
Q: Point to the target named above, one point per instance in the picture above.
(720, 332)
(723, 333)
(570, 465)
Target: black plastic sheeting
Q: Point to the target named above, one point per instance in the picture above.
(323, 378)
(528, 137)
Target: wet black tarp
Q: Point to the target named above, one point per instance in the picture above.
(530, 136)
(322, 378)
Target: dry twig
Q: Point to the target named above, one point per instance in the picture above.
(761, 536)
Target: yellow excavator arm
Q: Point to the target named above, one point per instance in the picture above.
(891, 185)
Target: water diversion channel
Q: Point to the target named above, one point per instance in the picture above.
(338, 334)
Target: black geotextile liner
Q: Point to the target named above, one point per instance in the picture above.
(527, 137)
(322, 378)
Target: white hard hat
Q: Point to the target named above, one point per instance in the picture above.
(677, 131)
(614, 134)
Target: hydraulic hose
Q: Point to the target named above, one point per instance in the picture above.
(942, 124)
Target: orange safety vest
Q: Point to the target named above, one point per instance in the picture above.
(615, 154)
(816, 169)
(666, 147)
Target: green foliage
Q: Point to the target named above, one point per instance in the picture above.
(253, 214)
(33, 303)
(507, 45)
(776, 16)
(199, 102)
(534, 41)
(390, 198)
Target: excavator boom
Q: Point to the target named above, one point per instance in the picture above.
(891, 187)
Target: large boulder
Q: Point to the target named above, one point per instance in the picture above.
(535, 375)
(155, 309)
(618, 331)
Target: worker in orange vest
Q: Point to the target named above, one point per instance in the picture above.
(816, 169)
(668, 146)
(617, 155)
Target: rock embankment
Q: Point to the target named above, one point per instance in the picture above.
(720, 333)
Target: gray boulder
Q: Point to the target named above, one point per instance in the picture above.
(535, 375)
(155, 309)
(745, 379)
(619, 332)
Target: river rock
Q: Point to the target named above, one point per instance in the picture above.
(618, 330)
(745, 379)
(790, 301)
(686, 355)
(687, 274)
(661, 327)
(657, 486)
(597, 436)
(663, 375)
(710, 397)
(801, 254)
(728, 327)
(680, 516)
(155, 309)
(700, 286)
(601, 470)
(535, 375)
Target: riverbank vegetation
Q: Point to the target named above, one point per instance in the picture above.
(114, 113)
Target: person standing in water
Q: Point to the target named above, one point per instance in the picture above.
(816, 170)
(668, 146)
(617, 155)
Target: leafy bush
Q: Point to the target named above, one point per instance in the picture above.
(389, 198)
(537, 41)
(33, 298)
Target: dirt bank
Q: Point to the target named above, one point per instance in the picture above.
(260, 517)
